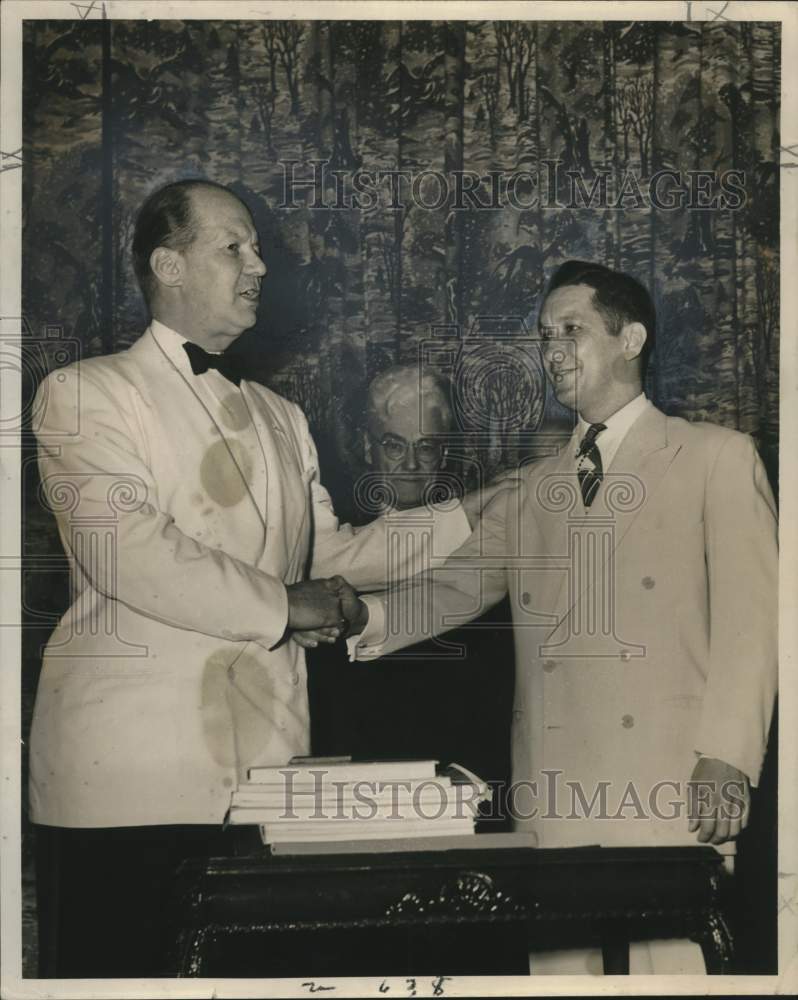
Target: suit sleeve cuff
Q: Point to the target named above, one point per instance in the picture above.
(369, 644)
(750, 768)
(275, 613)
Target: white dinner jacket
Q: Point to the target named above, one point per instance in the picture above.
(185, 505)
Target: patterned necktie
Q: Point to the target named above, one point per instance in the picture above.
(225, 364)
(589, 468)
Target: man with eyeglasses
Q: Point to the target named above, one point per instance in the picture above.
(429, 701)
(408, 414)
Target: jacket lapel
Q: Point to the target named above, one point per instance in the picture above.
(627, 489)
(217, 430)
(256, 441)
(287, 487)
(636, 472)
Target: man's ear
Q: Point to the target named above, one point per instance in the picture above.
(634, 339)
(167, 266)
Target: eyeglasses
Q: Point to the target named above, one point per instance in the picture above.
(426, 450)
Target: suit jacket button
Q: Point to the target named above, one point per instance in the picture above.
(648, 582)
(517, 715)
(549, 665)
(525, 598)
(628, 721)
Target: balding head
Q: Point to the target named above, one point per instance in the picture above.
(197, 255)
(166, 219)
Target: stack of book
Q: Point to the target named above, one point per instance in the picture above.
(329, 800)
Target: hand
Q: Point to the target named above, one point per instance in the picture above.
(310, 638)
(354, 616)
(475, 502)
(353, 609)
(315, 604)
(719, 799)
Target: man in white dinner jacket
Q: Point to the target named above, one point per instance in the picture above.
(641, 566)
(189, 505)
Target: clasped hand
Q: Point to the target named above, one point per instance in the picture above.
(323, 610)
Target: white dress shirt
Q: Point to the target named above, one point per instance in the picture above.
(617, 427)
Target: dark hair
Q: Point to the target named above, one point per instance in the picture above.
(166, 219)
(618, 298)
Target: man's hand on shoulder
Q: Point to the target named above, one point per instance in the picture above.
(719, 801)
(475, 502)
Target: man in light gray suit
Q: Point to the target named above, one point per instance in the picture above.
(641, 566)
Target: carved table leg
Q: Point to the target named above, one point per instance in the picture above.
(717, 945)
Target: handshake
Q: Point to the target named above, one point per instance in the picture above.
(323, 611)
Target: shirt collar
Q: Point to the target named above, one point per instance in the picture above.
(171, 342)
(617, 426)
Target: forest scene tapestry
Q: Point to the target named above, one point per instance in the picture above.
(345, 139)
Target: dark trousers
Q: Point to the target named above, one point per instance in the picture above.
(104, 896)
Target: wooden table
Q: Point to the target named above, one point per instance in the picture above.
(454, 912)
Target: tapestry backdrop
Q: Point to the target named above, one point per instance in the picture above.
(114, 109)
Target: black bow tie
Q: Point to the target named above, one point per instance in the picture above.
(225, 364)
